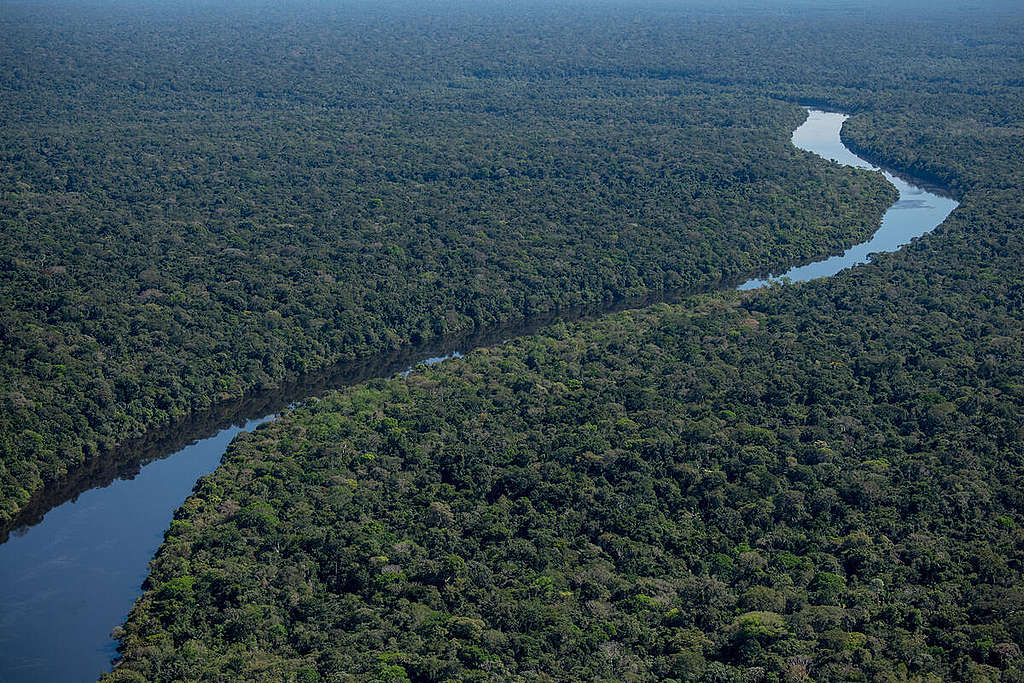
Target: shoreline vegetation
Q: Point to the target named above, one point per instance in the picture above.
(128, 458)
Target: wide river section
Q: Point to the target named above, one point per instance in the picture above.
(69, 580)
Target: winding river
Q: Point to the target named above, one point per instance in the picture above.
(67, 581)
(916, 212)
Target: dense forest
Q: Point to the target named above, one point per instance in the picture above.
(821, 481)
(698, 492)
(200, 204)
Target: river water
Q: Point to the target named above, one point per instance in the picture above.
(915, 213)
(67, 581)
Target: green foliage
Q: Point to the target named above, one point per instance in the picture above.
(185, 230)
(814, 482)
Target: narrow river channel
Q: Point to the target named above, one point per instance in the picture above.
(67, 581)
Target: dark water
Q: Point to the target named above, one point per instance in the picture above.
(70, 580)
(71, 577)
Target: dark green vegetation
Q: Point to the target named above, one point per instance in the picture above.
(818, 482)
(197, 205)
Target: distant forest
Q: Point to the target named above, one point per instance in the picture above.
(809, 482)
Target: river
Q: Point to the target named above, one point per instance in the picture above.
(916, 212)
(69, 579)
